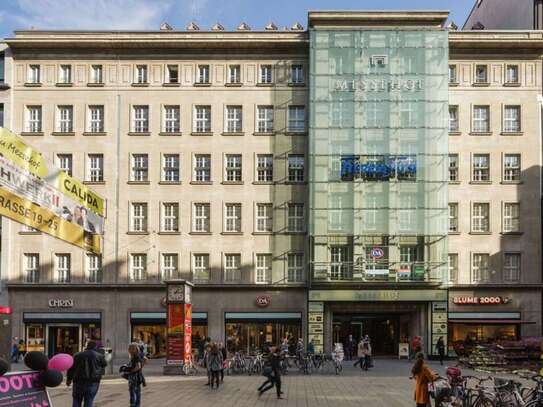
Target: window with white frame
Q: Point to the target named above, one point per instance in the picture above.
(511, 119)
(96, 119)
(511, 74)
(168, 266)
(511, 217)
(202, 119)
(264, 217)
(296, 217)
(203, 74)
(232, 168)
(141, 73)
(234, 74)
(170, 217)
(201, 217)
(296, 168)
(296, 118)
(481, 119)
(138, 217)
(264, 168)
(63, 267)
(34, 74)
(139, 167)
(232, 217)
(95, 167)
(65, 163)
(453, 167)
(33, 119)
(481, 74)
(65, 119)
(452, 265)
(233, 119)
(297, 74)
(511, 267)
(232, 267)
(266, 74)
(97, 74)
(481, 167)
(202, 168)
(452, 74)
(172, 73)
(453, 217)
(140, 119)
(93, 265)
(511, 167)
(295, 267)
(453, 118)
(65, 74)
(31, 268)
(263, 268)
(172, 119)
(480, 217)
(480, 267)
(138, 267)
(200, 267)
(170, 168)
(264, 120)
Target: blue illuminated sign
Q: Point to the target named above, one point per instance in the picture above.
(379, 167)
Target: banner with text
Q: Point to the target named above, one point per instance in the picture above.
(23, 389)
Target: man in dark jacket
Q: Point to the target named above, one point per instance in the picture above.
(272, 370)
(86, 372)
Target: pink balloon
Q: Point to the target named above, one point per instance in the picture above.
(61, 362)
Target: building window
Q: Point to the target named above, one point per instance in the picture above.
(201, 217)
(511, 119)
(202, 168)
(232, 167)
(170, 168)
(140, 168)
(138, 217)
(296, 118)
(63, 268)
(480, 267)
(511, 217)
(138, 267)
(65, 116)
(481, 167)
(452, 264)
(295, 267)
(480, 218)
(2, 67)
(31, 268)
(453, 217)
(203, 74)
(296, 217)
(511, 74)
(511, 267)
(233, 119)
(33, 119)
(264, 168)
(141, 73)
(1, 115)
(264, 217)
(168, 266)
(452, 74)
(65, 74)
(481, 119)
(200, 267)
(95, 168)
(266, 74)
(173, 74)
(97, 75)
(34, 74)
(94, 268)
(232, 270)
(234, 74)
(140, 119)
(481, 74)
(172, 119)
(453, 119)
(264, 122)
(263, 268)
(170, 217)
(511, 167)
(232, 217)
(453, 167)
(297, 74)
(96, 119)
(65, 163)
(296, 168)
(202, 119)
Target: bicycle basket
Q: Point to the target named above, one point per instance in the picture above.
(440, 390)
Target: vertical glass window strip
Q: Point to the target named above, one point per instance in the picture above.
(295, 267)
(141, 119)
(480, 267)
(265, 119)
(34, 74)
(170, 168)
(511, 167)
(453, 167)
(264, 168)
(203, 74)
(511, 217)
(481, 116)
(233, 168)
(140, 167)
(453, 119)
(34, 119)
(266, 74)
(202, 167)
(232, 271)
(296, 118)
(31, 268)
(340, 263)
(296, 217)
(452, 74)
(172, 119)
(2, 67)
(263, 268)
(232, 217)
(96, 119)
(138, 267)
(202, 119)
(481, 74)
(234, 74)
(480, 218)
(94, 268)
(95, 169)
(141, 74)
(453, 267)
(511, 267)
(173, 74)
(201, 217)
(453, 217)
(264, 217)
(511, 75)
(481, 167)
(511, 119)
(295, 168)
(65, 163)
(168, 266)
(1, 115)
(63, 268)
(170, 217)
(97, 74)
(138, 221)
(200, 267)
(65, 119)
(297, 74)
(65, 74)
(233, 119)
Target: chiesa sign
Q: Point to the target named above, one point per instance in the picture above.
(379, 85)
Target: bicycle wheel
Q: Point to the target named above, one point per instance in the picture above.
(484, 402)
(534, 403)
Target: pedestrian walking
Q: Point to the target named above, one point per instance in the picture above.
(423, 376)
(311, 347)
(132, 372)
(440, 345)
(21, 350)
(360, 354)
(224, 359)
(350, 346)
(369, 361)
(214, 363)
(85, 374)
(206, 365)
(272, 371)
(15, 352)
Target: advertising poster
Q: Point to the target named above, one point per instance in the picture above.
(21, 389)
(176, 327)
(188, 333)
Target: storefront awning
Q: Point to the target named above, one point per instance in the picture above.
(48, 317)
(262, 316)
(160, 317)
(490, 321)
(484, 315)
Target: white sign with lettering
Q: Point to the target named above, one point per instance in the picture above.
(58, 303)
(380, 85)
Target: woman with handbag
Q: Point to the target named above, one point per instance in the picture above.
(272, 370)
(214, 364)
(132, 373)
(423, 376)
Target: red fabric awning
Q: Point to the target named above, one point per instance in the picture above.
(490, 321)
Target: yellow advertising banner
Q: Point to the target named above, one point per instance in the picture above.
(24, 211)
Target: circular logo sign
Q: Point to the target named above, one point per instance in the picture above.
(377, 253)
(263, 300)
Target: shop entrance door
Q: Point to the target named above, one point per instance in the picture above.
(65, 338)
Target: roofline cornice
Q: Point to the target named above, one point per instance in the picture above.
(496, 39)
(426, 18)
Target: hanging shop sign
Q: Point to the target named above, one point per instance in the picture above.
(488, 300)
(263, 301)
(379, 167)
(376, 253)
(58, 303)
(379, 85)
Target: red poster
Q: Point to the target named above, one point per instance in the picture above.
(175, 319)
(188, 332)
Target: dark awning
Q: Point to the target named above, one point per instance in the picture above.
(490, 321)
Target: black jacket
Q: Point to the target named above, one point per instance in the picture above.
(89, 366)
(274, 361)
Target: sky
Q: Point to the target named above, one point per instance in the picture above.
(149, 14)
